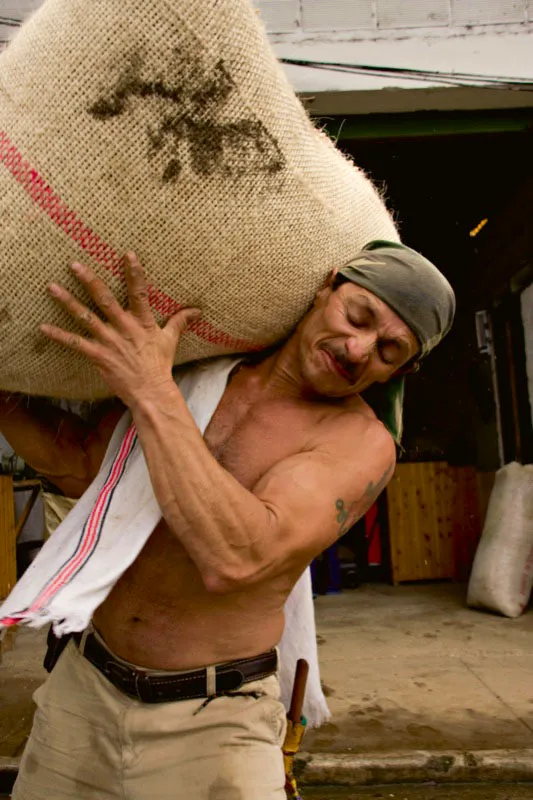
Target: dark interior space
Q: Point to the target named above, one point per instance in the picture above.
(440, 188)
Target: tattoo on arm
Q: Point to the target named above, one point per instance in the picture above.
(346, 517)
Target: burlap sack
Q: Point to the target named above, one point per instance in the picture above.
(167, 127)
(502, 575)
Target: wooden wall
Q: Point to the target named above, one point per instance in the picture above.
(435, 521)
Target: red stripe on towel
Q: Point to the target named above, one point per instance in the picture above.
(92, 527)
(88, 542)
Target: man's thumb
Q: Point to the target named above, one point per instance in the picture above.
(178, 323)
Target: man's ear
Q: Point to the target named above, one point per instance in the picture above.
(328, 284)
(330, 280)
(408, 369)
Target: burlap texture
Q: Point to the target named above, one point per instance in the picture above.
(169, 128)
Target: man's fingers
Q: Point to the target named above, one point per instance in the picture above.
(101, 294)
(72, 341)
(79, 312)
(138, 290)
(179, 323)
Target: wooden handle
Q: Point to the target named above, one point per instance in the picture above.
(298, 690)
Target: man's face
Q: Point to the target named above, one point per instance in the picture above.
(352, 339)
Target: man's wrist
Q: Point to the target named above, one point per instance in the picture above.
(152, 397)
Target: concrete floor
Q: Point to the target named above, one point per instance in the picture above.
(411, 668)
(405, 668)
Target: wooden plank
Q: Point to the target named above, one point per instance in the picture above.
(417, 521)
(467, 522)
(425, 474)
(399, 504)
(411, 568)
(410, 523)
(434, 522)
(432, 550)
(394, 520)
(8, 552)
(411, 550)
(24, 485)
(441, 506)
(399, 519)
(437, 502)
(395, 510)
(448, 499)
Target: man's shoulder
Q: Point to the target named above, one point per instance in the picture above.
(357, 405)
(356, 425)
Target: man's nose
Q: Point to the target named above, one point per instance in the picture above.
(360, 346)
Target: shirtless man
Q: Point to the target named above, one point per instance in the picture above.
(244, 511)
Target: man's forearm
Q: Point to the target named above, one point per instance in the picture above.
(39, 432)
(222, 525)
(55, 443)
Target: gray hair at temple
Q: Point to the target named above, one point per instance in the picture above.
(410, 284)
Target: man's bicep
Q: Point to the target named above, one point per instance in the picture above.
(317, 496)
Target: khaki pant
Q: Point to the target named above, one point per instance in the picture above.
(90, 741)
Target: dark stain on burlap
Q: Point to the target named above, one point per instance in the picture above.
(189, 104)
(40, 344)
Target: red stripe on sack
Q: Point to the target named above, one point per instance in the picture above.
(93, 524)
(72, 226)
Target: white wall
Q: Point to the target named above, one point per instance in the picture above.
(326, 16)
(485, 37)
(311, 16)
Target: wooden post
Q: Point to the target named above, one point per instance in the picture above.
(8, 545)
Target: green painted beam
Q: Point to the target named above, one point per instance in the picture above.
(399, 126)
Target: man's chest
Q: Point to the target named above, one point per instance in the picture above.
(249, 439)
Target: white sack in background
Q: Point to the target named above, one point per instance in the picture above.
(502, 574)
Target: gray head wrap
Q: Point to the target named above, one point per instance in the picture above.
(410, 284)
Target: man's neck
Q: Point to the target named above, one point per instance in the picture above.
(279, 373)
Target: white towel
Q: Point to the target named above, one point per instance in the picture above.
(107, 529)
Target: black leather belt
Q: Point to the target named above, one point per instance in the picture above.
(169, 687)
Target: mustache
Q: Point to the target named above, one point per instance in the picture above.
(345, 363)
